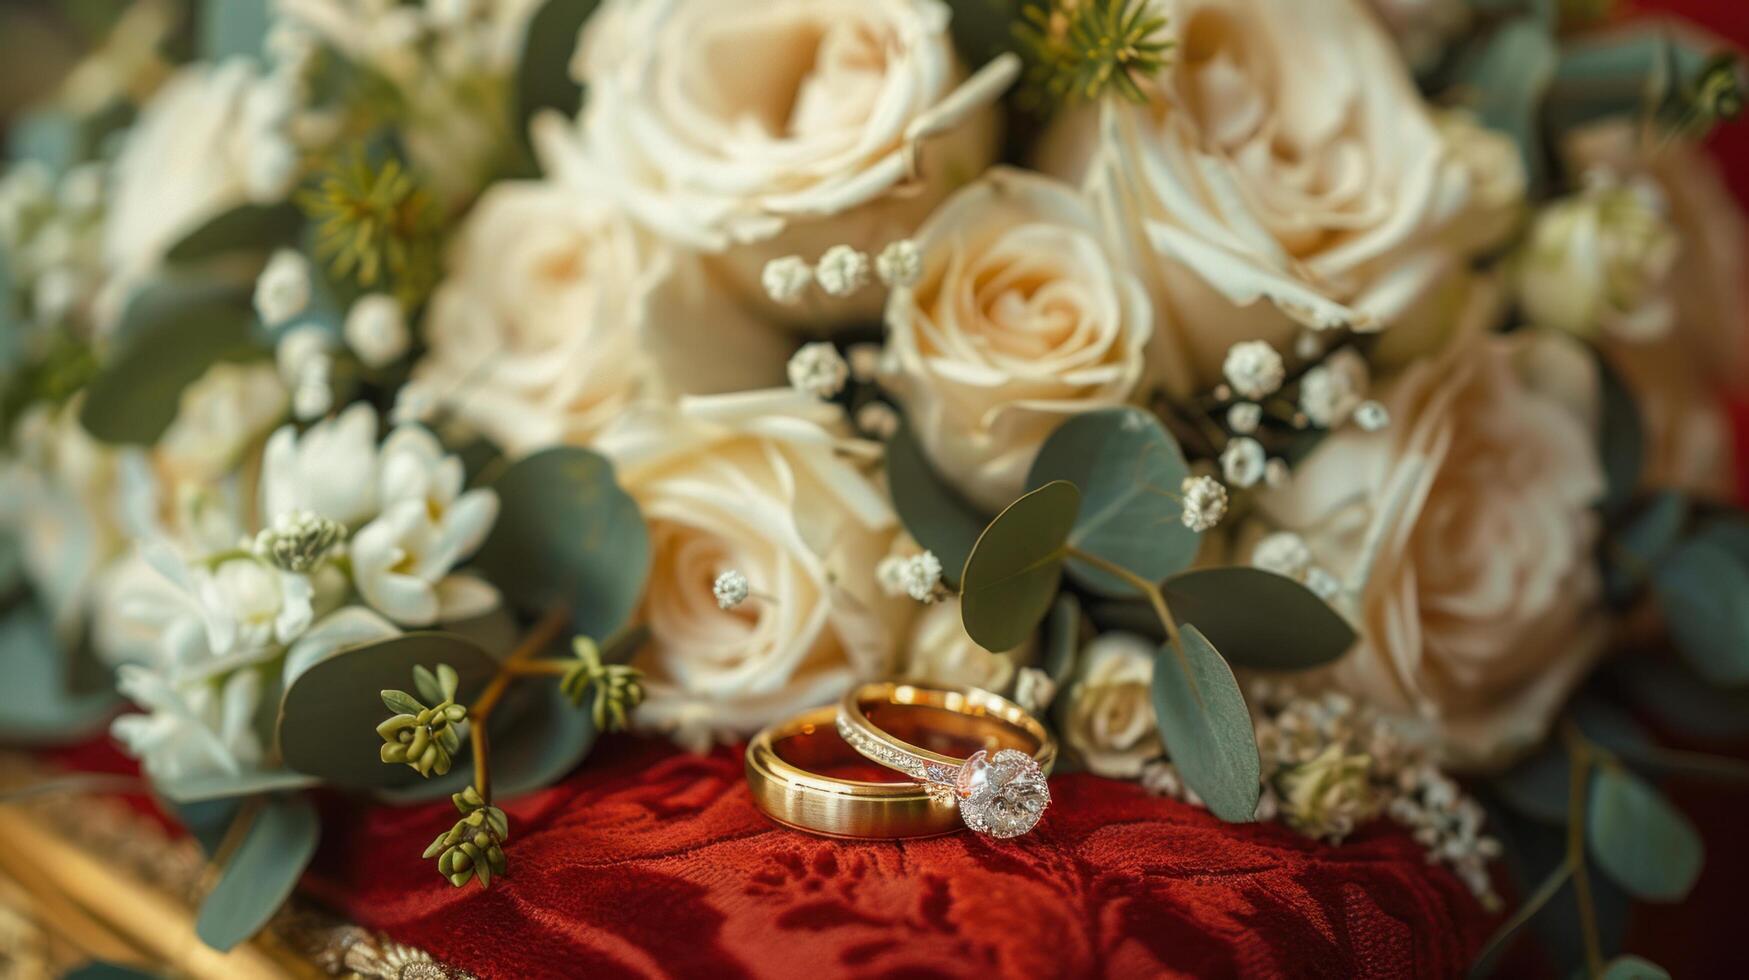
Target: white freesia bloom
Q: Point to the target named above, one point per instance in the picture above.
(1021, 318)
(376, 330)
(1460, 542)
(402, 561)
(1286, 174)
(191, 729)
(195, 153)
(767, 484)
(846, 127)
(330, 470)
(559, 312)
(1110, 719)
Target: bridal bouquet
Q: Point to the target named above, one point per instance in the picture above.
(1303, 405)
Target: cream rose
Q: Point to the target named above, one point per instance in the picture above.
(1109, 721)
(1286, 174)
(1463, 536)
(762, 483)
(558, 312)
(1022, 317)
(210, 140)
(738, 130)
(941, 652)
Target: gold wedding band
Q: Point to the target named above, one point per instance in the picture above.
(999, 785)
(799, 773)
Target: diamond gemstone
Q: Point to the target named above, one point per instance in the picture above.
(1002, 795)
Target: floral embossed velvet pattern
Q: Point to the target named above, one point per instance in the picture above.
(651, 862)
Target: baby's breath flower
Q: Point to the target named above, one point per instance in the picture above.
(818, 369)
(865, 361)
(878, 420)
(300, 351)
(918, 576)
(1244, 461)
(1277, 474)
(842, 270)
(1323, 584)
(786, 279)
(1254, 369)
(1330, 392)
(1034, 690)
(376, 330)
(1205, 502)
(730, 588)
(899, 264)
(312, 397)
(1244, 417)
(1284, 553)
(283, 289)
(1372, 416)
(298, 541)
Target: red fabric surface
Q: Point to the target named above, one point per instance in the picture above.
(652, 862)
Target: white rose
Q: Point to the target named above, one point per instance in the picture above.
(1286, 174)
(195, 153)
(942, 653)
(1021, 318)
(754, 132)
(558, 312)
(1462, 537)
(1110, 717)
(761, 483)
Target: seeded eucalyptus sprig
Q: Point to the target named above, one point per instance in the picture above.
(617, 688)
(474, 847)
(1082, 49)
(424, 738)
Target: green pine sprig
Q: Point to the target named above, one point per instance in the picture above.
(376, 225)
(1082, 49)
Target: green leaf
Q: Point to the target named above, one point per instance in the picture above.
(248, 227)
(938, 517)
(1638, 547)
(260, 876)
(567, 533)
(229, 28)
(1678, 701)
(1129, 472)
(37, 703)
(982, 29)
(1505, 81)
(1014, 570)
(1207, 728)
(51, 137)
(1258, 619)
(1634, 968)
(1628, 75)
(204, 788)
(1537, 785)
(169, 336)
(543, 73)
(328, 717)
(1621, 439)
(1704, 589)
(1646, 845)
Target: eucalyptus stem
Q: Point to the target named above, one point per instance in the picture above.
(539, 638)
(543, 668)
(1155, 597)
(1581, 751)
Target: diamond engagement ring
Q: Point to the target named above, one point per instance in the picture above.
(999, 757)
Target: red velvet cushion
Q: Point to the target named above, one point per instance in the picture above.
(650, 861)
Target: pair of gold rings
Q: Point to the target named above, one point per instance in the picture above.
(897, 760)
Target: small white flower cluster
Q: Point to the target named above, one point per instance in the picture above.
(731, 589)
(1330, 764)
(841, 271)
(1205, 502)
(1331, 393)
(306, 365)
(918, 576)
(1286, 553)
(51, 232)
(818, 369)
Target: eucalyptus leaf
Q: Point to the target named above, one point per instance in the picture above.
(1207, 728)
(1130, 473)
(260, 876)
(1621, 438)
(38, 705)
(1634, 968)
(1704, 589)
(169, 336)
(201, 789)
(247, 227)
(233, 28)
(1679, 701)
(1537, 786)
(1063, 639)
(328, 717)
(937, 516)
(1505, 82)
(51, 137)
(1625, 75)
(1642, 842)
(1015, 569)
(1637, 549)
(543, 73)
(1258, 619)
(567, 533)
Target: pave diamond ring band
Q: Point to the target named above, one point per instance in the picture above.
(970, 748)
